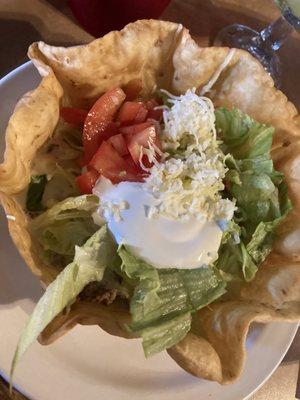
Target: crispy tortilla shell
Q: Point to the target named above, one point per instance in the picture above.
(32, 123)
(272, 296)
(111, 319)
(163, 55)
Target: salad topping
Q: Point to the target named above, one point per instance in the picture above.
(189, 180)
(178, 208)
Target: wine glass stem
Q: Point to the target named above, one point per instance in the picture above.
(272, 37)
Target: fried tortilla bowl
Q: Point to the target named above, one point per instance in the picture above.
(163, 55)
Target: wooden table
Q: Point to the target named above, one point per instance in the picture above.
(25, 21)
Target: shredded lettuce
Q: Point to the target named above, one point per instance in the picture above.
(89, 264)
(259, 190)
(62, 227)
(164, 299)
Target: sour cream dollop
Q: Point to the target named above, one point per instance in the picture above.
(161, 241)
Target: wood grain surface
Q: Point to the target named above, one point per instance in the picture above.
(25, 21)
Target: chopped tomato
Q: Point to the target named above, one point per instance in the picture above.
(132, 89)
(133, 167)
(134, 173)
(132, 113)
(110, 164)
(150, 104)
(152, 113)
(136, 128)
(87, 181)
(107, 159)
(118, 142)
(99, 118)
(155, 114)
(74, 116)
(136, 142)
(110, 130)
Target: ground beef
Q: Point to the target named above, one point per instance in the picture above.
(96, 293)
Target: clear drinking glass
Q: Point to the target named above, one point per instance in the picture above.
(264, 44)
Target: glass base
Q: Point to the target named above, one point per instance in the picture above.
(245, 38)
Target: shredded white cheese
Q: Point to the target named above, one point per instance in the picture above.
(217, 73)
(114, 209)
(188, 180)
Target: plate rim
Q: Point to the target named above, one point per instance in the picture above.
(294, 329)
(28, 64)
(293, 326)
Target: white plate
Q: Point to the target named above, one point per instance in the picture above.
(90, 364)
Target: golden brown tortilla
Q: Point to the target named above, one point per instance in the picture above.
(163, 55)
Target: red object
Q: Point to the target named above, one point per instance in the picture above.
(99, 119)
(110, 164)
(74, 116)
(155, 114)
(99, 17)
(110, 130)
(107, 159)
(87, 181)
(112, 149)
(139, 140)
(132, 165)
(152, 113)
(136, 128)
(119, 144)
(132, 113)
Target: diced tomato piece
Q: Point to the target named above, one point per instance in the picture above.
(74, 116)
(150, 104)
(118, 142)
(110, 164)
(132, 89)
(87, 181)
(136, 128)
(99, 118)
(133, 167)
(152, 113)
(107, 159)
(110, 130)
(131, 164)
(141, 115)
(136, 142)
(155, 114)
(80, 161)
(132, 113)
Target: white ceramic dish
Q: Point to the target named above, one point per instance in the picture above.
(90, 364)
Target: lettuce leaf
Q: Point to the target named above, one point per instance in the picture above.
(242, 136)
(163, 299)
(63, 226)
(165, 334)
(236, 263)
(260, 193)
(89, 264)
